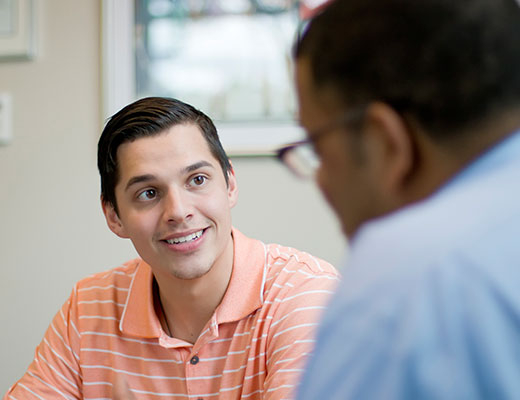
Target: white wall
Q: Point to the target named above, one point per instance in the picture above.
(52, 231)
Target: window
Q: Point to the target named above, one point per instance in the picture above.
(229, 58)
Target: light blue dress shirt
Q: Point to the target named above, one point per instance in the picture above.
(429, 304)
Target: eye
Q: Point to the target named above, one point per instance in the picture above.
(148, 194)
(198, 180)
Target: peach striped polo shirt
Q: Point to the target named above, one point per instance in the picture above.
(254, 346)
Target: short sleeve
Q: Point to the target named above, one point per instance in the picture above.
(54, 372)
(292, 332)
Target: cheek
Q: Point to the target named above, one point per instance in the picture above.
(217, 207)
(329, 170)
(141, 224)
(334, 176)
(323, 182)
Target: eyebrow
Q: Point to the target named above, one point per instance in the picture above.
(139, 179)
(197, 165)
(149, 177)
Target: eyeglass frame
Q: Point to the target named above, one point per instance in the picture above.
(313, 136)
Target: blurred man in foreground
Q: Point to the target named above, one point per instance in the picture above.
(413, 108)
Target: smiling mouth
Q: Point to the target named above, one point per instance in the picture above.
(187, 238)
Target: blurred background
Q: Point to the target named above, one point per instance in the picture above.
(229, 58)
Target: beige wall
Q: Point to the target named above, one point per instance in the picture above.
(52, 232)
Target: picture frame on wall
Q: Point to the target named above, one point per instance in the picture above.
(16, 30)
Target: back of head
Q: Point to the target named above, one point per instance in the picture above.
(148, 117)
(448, 64)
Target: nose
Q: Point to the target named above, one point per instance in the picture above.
(176, 206)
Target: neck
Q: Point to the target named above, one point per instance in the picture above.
(188, 304)
(441, 162)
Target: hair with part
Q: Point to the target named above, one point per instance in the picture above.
(148, 117)
(448, 64)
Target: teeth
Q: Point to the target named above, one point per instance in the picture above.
(184, 239)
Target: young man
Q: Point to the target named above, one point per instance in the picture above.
(413, 107)
(205, 312)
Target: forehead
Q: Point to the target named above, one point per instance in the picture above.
(175, 148)
(314, 103)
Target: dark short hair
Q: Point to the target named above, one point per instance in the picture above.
(446, 63)
(148, 117)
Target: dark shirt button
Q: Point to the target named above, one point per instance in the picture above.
(194, 360)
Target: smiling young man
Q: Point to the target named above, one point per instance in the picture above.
(205, 312)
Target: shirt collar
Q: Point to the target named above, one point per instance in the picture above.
(243, 296)
(139, 317)
(504, 152)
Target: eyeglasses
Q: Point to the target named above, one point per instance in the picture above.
(301, 157)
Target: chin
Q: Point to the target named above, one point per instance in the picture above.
(190, 274)
(348, 226)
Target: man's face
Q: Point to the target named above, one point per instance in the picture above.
(174, 203)
(342, 175)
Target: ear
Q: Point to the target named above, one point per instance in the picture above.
(232, 188)
(113, 221)
(390, 147)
